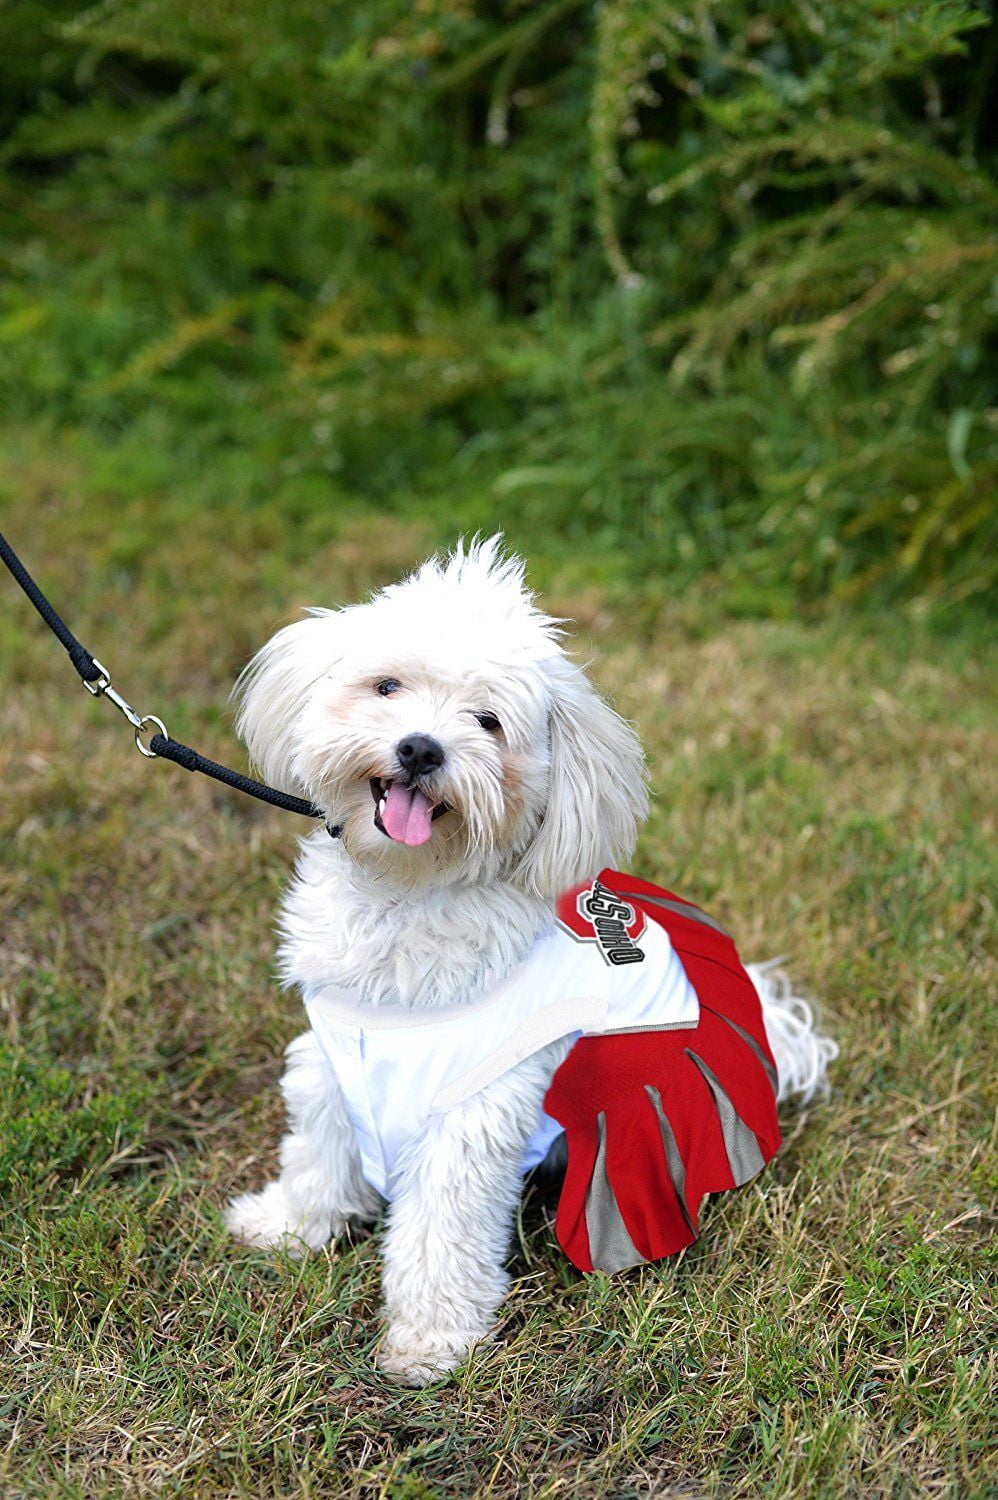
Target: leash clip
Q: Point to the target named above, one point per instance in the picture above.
(100, 684)
(101, 688)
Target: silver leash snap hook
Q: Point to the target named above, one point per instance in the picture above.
(101, 683)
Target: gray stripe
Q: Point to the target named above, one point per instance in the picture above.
(751, 1042)
(744, 1156)
(652, 1026)
(676, 1165)
(610, 1245)
(682, 907)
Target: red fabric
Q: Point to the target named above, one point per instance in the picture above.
(607, 1075)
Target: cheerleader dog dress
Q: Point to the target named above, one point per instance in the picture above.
(668, 1093)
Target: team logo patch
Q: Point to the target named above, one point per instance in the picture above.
(594, 914)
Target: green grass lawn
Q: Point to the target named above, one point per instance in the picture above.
(826, 789)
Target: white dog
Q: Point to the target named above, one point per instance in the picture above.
(471, 773)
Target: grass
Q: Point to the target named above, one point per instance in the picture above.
(826, 789)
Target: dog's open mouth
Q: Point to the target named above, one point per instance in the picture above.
(403, 812)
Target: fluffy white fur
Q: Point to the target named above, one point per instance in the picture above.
(550, 798)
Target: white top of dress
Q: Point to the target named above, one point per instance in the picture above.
(612, 970)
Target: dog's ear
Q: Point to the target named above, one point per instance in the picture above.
(596, 787)
(274, 689)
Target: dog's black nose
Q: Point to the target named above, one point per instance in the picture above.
(419, 754)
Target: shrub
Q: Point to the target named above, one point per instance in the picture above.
(714, 286)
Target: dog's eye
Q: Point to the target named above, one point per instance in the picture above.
(387, 686)
(489, 722)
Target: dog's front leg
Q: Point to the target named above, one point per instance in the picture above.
(320, 1186)
(450, 1221)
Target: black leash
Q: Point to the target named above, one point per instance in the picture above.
(97, 681)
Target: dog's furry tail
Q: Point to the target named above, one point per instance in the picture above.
(802, 1053)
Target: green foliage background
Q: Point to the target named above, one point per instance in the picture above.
(710, 286)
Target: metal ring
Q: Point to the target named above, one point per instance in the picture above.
(99, 684)
(140, 730)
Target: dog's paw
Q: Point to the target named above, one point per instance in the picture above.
(411, 1356)
(267, 1220)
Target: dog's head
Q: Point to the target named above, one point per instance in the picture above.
(443, 728)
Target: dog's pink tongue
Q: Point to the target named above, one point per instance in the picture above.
(408, 815)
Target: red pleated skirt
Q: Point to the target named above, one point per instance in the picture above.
(657, 1120)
